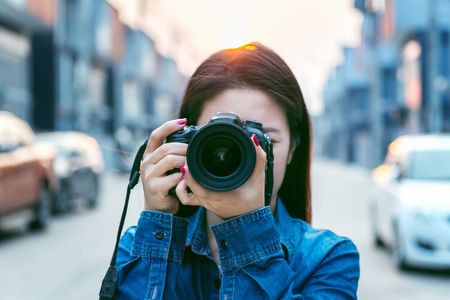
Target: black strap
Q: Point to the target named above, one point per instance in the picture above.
(109, 283)
(269, 171)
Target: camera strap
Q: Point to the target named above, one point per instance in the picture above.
(269, 172)
(109, 283)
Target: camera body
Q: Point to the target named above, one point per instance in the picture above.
(221, 155)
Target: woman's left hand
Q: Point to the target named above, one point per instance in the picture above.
(246, 198)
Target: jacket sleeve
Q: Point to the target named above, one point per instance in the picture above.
(337, 275)
(146, 252)
(254, 264)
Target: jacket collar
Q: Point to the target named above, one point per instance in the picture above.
(196, 235)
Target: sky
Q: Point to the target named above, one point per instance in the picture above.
(308, 34)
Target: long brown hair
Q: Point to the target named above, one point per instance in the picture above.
(256, 66)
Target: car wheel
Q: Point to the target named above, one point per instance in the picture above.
(377, 240)
(92, 200)
(62, 204)
(42, 209)
(398, 251)
(376, 236)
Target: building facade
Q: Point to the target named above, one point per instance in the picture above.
(73, 65)
(395, 82)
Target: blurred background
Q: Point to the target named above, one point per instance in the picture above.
(83, 83)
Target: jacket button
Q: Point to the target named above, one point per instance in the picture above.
(223, 244)
(159, 234)
(217, 283)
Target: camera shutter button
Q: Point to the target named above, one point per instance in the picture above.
(254, 124)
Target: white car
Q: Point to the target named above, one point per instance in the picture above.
(411, 211)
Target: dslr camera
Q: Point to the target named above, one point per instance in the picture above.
(221, 155)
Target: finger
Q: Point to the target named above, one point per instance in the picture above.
(168, 163)
(159, 134)
(185, 197)
(258, 174)
(195, 187)
(165, 150)
(161, 186)
(160, 169)
(261, 156)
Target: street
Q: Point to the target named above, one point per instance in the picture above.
(341, 195)
(70, 258)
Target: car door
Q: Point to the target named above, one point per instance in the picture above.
(17, 178)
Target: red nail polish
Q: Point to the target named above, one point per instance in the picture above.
(183, 170)
(182, 177)
(255, 140)
(182, 121)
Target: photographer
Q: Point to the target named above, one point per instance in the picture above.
(206, 243)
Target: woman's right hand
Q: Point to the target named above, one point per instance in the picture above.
(159, 158)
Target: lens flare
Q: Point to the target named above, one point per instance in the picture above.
(235, 31)
(235, 37)
(382, 174)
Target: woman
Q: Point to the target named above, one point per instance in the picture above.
(232, 246)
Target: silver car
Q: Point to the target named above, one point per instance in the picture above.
(78, 165)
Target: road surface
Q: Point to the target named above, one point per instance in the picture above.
(69, 259)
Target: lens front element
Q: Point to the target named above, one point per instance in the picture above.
(221, 157)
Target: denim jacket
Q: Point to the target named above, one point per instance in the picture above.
(261, 257)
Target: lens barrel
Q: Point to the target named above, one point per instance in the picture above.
(221, 156)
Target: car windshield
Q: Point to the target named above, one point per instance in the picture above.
(430, 165)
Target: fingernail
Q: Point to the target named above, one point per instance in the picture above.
(182, 177)
(182, 121)
(183, 170)
(255, 140)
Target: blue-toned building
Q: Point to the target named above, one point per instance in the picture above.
(17, 32)
(151, 85)
(395, 82)
(73, 65)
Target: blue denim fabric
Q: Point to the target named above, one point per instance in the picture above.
(262, 257)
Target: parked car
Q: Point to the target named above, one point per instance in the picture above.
(411, 213)
(28, 182)
(79, 165)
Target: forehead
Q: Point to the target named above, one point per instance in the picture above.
(248, 104)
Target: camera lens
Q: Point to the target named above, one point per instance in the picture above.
(221, 157)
